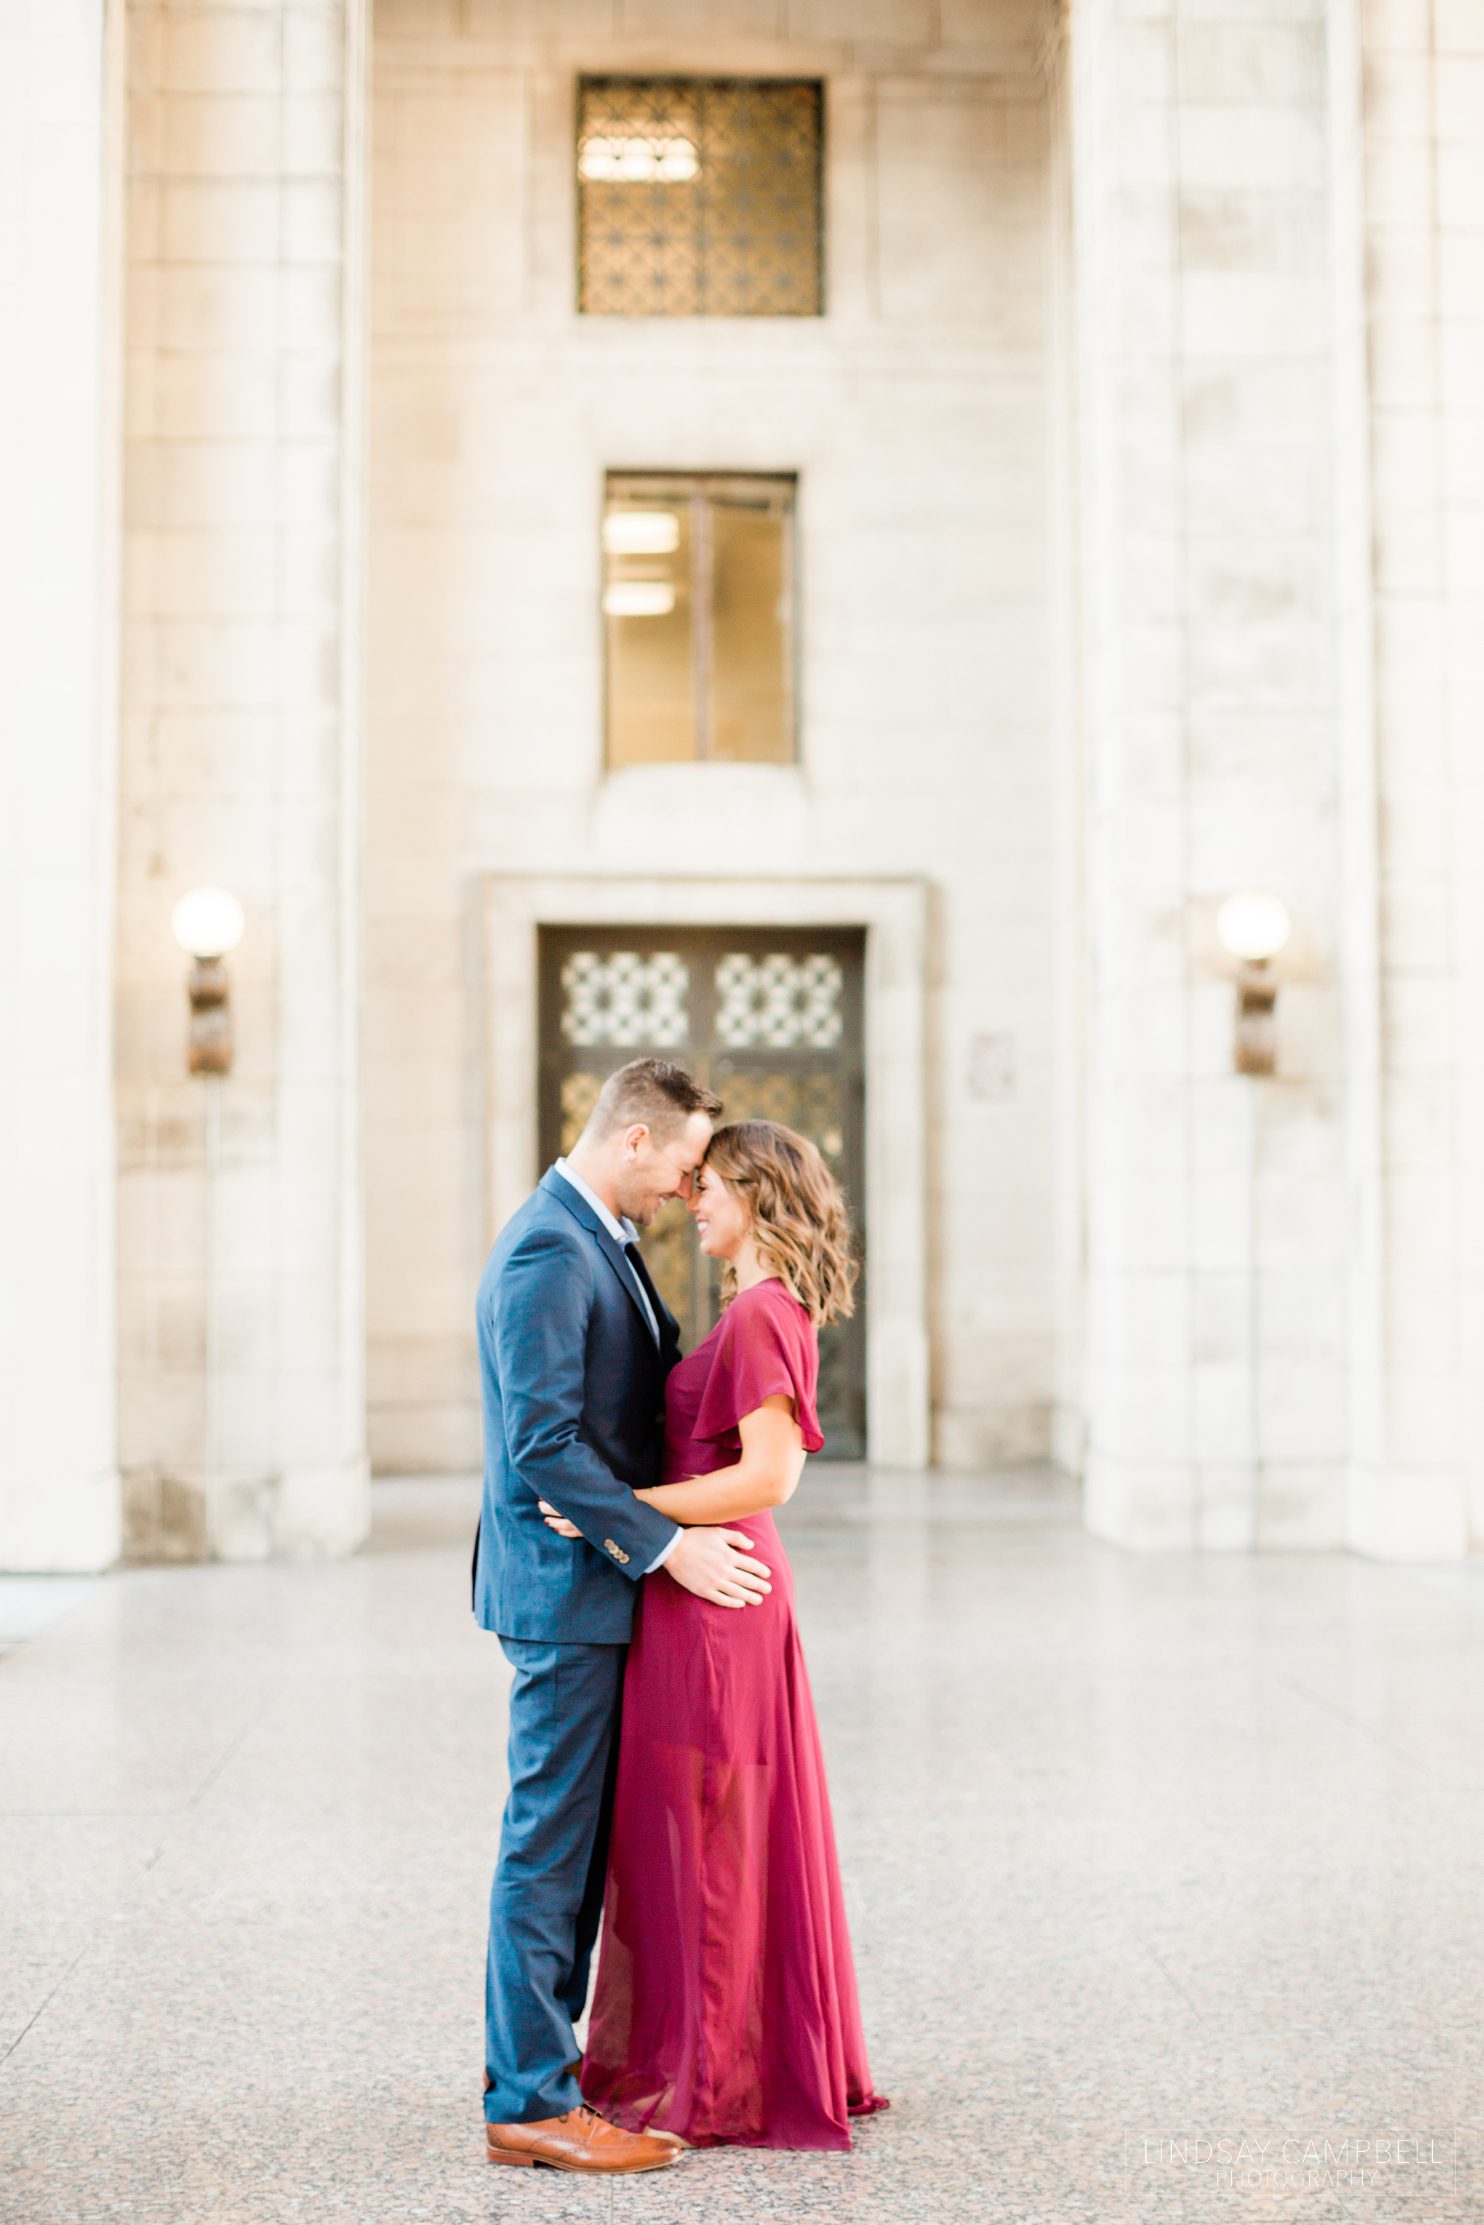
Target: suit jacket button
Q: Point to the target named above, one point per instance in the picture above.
(616, 1550)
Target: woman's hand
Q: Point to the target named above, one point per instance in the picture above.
(558, 1522)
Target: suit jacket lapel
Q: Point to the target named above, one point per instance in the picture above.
(578, 1206)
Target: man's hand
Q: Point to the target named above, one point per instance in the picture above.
(717, 1565)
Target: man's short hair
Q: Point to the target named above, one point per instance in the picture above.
(651, 1090)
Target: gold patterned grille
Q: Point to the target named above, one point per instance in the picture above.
(812, 1103)
(772, 1020)
(700, 197)
(579, 1095)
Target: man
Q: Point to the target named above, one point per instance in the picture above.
(575, 1343)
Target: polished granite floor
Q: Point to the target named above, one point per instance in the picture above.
(1144, 1856)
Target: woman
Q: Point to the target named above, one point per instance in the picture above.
(725, 2007)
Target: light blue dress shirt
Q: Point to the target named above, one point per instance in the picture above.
(624, 1234)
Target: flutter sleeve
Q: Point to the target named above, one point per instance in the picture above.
(767, 1348)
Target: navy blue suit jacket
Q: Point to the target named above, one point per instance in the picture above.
(573, 1387)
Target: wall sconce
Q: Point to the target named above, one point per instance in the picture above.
(1253, 928)
(208, 924)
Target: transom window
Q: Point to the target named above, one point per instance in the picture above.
(698, 603)
(699, 197)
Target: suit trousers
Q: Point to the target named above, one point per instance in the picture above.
(547, 1894)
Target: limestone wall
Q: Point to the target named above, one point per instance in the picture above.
(916, 413)
(1419, 1486)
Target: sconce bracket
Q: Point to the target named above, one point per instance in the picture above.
(1257, 1030)
(211, 1018)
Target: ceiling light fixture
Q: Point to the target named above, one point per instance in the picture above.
(641, 532)
(639, 598)
(637, 158)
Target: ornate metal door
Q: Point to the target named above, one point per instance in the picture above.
(771, 1020)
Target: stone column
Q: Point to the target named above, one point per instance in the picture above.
(1217, 1225)
(60, 108)
(1421, 93)
(242, 1428)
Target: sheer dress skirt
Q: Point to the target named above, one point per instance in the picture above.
(726, 2005)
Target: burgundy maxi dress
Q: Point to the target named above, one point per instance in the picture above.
(725, 2007)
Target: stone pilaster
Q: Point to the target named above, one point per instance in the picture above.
(1421, 93)
(240, 1236)
(60, 110)
(1217, 1232)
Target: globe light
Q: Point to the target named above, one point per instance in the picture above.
(208, 923)
(1253, 926)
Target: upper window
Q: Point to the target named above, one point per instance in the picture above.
(699, 197)
(698, 604)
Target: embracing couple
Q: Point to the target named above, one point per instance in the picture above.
(665, 1769)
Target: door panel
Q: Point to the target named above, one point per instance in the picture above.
(771, 1020)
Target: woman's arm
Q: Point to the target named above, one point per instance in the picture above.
(772, 1462)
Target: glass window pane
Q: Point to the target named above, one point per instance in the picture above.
(749, 712)
(648, 609)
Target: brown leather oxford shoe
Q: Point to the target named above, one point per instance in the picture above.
(580, 2140)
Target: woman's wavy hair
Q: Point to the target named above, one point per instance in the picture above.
(799, 1222)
